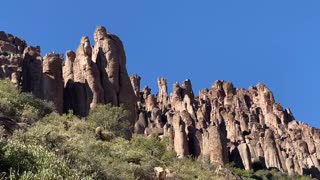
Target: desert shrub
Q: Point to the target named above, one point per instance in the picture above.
(265, 174)
(244, 174)
(110, 118)
(190, 168)
(25, 161)
(21, 106)
(74, 140)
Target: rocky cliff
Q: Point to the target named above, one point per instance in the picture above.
(87, 77)
(222, 124)
(225, 124)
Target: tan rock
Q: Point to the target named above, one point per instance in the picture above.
(217, 146)
(135, 82)
(270, 151)
(162, 97)
(180, 137)
(68, 67)
(141, 124)
(90, 72)
(109, 55)
(52, 80)
(245, 156)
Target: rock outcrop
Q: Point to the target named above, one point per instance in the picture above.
(108, 54)
(222, 124)
(11, 55)
(88, 77)
(52, 80)
(32, 71)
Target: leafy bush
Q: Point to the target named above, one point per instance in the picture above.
(25, 161)
(75, 141)
(21, 106)
(265, 174)
(110, 118)
(245, 174)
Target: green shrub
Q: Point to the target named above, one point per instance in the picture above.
(110, 118)
(74, 140)
(21, 106)
(25, 161)
(245, 174)
(190, 168)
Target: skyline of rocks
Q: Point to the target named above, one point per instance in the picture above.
(222, 124)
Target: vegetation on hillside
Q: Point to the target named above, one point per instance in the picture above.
(97, 147)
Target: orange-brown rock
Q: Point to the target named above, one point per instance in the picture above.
(52, 80)
(109, 55)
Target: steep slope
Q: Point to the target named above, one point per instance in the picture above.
(221, 125)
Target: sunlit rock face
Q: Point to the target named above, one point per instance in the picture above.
(53, 80)
(109, 55)
(88, 77)
(225, 124)
(222, 124)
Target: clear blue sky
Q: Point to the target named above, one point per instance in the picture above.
(245, 42)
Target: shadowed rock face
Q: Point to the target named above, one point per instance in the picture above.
(32, 71)
(220, 125)
(11, 56)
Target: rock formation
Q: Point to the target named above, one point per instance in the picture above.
(32, 71)
(222, 124)
(88, 77)
(52, 80)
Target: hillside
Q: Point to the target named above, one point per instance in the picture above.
(213, 135)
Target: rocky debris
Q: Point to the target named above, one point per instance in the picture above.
(160, 173)
(163, 174)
